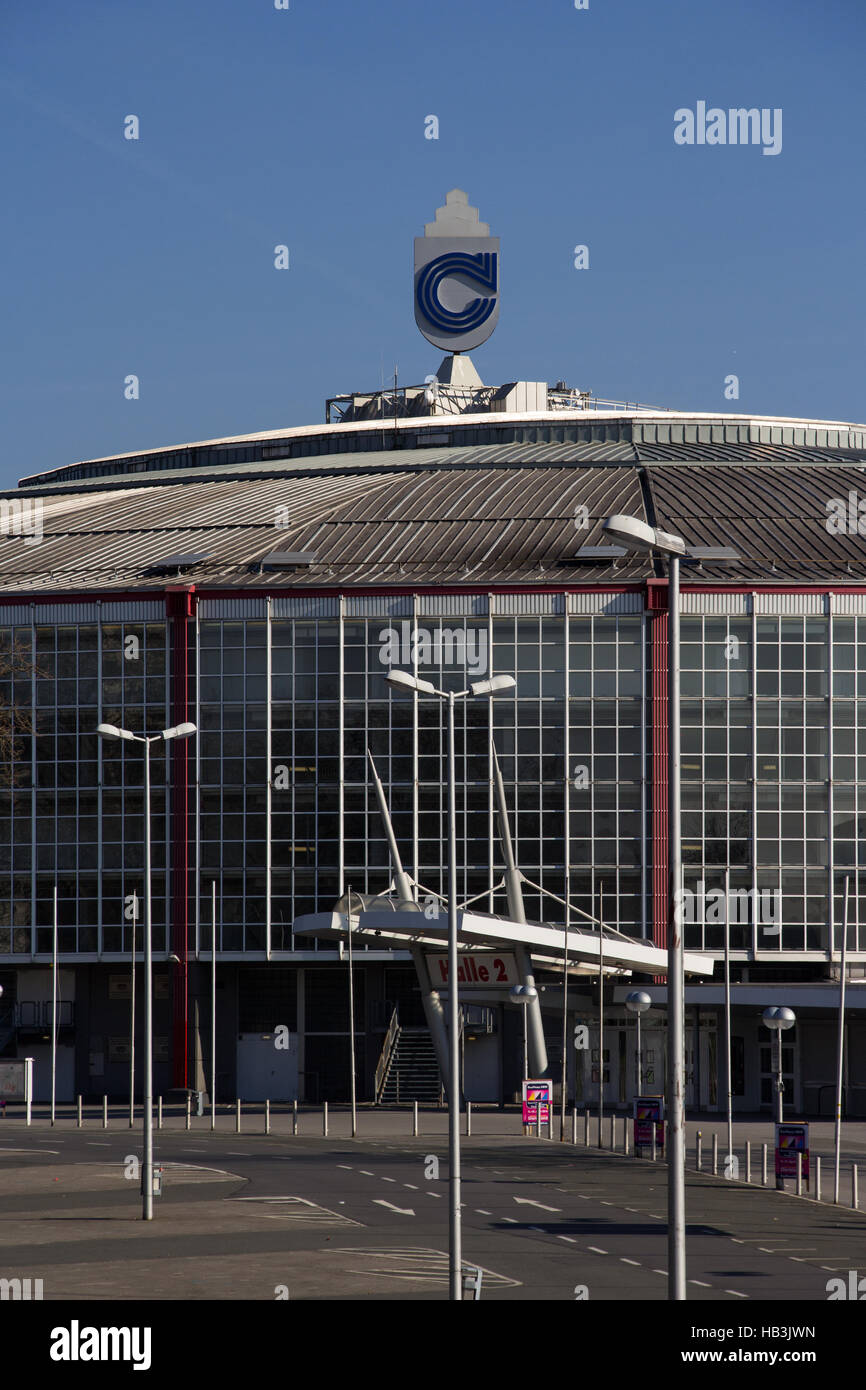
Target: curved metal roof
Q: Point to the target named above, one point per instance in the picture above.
(514, 507)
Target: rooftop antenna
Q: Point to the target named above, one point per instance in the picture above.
(395, 405)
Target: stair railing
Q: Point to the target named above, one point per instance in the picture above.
(387, 1052)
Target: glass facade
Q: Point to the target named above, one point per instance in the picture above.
(70, 803)
(283, 816)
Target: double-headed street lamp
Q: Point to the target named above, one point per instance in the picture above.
(638, 535)
(110, 731)
(402, 680)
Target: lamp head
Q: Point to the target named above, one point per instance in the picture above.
(494, 683)
(639, 535)
(401, 680)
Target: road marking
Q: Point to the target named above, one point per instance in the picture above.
(540, 1229)
(384, 1179)
(571, 1240)
(583, 1196)
(596, 1251)
(510, 1219)
(366, 1172)
(656, 1218)
(607, 1204)
(660, 1271)
(401, 1211)
(528, 1202)
(30, 1151)
(421, 1265)
(347, 1166)
(481, 1212)
(431, 1194)
(97, 1144)
(633, 1209)
(298, 1210)
(734, 1293)
(624, 1261)
(700, 1283)
(412, 1185)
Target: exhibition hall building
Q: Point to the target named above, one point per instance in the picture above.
(262, 589)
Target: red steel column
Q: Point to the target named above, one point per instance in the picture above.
(657, 605)
(180, 605)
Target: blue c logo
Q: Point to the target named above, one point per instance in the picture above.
(482, 269)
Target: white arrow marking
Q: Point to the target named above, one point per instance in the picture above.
(401, 1211)
(528, 1202)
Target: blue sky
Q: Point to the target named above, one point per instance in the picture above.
(306, 127)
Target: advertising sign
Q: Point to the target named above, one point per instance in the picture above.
(482, 968)
(649, 1111)
(13, 1080)
(791, 1140)
(16, 1082)
(535, 1094)
(456, 277)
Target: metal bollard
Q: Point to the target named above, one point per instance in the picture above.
(415, 1119)
(238, 1116)
(748, 1160)
(79, 1112)
(764, 1165)
(586, 1128)
(325, 1119)
(818, 1178)
(188, 1110)
(538, 1119)
(574, 1125)
(715, 1154)
(105, 1112)
(468, 1119)
(294, 1117)
(267, 1117)
(699, 1153)
(550, 1120)
(612, 1132)
(855, 1196)
(159, 1113)
(654, 1146)
(625, 1148)
(799, 1172)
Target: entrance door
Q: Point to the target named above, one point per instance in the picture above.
(264, 1071)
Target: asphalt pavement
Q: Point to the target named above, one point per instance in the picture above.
(250, 1216)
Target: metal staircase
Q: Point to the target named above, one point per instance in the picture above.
(412, 1071)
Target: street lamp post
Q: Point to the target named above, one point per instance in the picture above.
(213, 962)
(110, 731)
(638, 1002)
(638, 535)
(401, 680)
(779, 1019)
(524, 995)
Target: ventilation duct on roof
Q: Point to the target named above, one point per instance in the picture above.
(592, 554)
(183, 561)
(287, 560)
